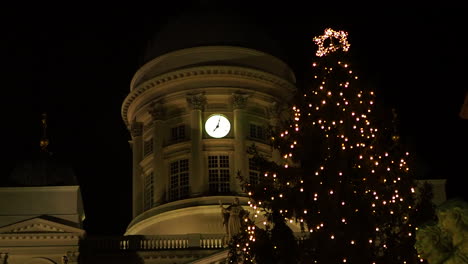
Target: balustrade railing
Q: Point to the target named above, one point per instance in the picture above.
(165, 242)
(141, 243)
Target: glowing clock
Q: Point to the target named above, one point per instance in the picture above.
(217, 126)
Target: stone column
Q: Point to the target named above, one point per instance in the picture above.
(197, 180)
(240, 126)
(159, 173)
(136, 131)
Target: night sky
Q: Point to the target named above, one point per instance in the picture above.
(76, 62)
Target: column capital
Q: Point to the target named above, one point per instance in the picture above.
(71, 257)
(157, 110)
(196, 101)
(239, 100)
(136, 129)
(3, 257)
(274, 109)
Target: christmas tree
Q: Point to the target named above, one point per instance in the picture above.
(344, 178)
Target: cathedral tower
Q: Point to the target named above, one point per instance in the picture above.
(207, 91)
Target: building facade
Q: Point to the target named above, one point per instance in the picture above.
(41, 213)
(205, 94)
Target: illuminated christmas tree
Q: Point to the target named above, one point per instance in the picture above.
(344, 179)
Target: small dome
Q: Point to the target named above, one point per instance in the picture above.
(43, 169)
(211, 24)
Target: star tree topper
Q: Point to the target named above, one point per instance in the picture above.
(332, 35)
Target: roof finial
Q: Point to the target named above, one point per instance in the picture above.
(44, 140)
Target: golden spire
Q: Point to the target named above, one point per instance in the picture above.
(44, 140)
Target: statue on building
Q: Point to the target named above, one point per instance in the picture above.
(232, 218)
(445, 242)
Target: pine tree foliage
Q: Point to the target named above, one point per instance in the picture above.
(344, 179)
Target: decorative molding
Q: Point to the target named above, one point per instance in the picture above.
(188, 54)
(239, 100)
(39, 227)
(196, 101)
(234, 72)
(136, 129)
(39, 236)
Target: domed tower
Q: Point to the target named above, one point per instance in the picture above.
(209, 88)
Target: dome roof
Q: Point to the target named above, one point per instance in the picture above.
(214, 23)
(42, 169)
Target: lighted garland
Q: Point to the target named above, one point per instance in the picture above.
(376, 168)
(341, 36)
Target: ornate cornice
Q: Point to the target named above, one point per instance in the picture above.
(204, 72)
(38, 236)
(42, 227)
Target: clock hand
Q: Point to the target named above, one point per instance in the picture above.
(217, 125)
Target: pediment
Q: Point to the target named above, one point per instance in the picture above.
(39, 225)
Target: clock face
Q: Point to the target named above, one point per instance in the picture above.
(217, 126)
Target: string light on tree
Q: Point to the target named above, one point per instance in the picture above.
(341, 178)
(336, 40)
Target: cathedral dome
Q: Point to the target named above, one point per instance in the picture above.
(42, 169)
(211, 24)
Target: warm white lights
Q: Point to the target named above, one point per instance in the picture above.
(337, 40)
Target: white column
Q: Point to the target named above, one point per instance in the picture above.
(137, 190)
(160, 176)
(240, 154)
(198, 182)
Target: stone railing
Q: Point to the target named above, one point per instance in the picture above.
(141, 243)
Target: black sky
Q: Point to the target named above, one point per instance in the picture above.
(76, 63)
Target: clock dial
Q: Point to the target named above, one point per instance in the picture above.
(217, 126)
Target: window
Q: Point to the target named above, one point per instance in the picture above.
(178, 133)
(179, 179)
(218, 174)
(149, 191)
(257, 132)
(147, 147)
(254, 172)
